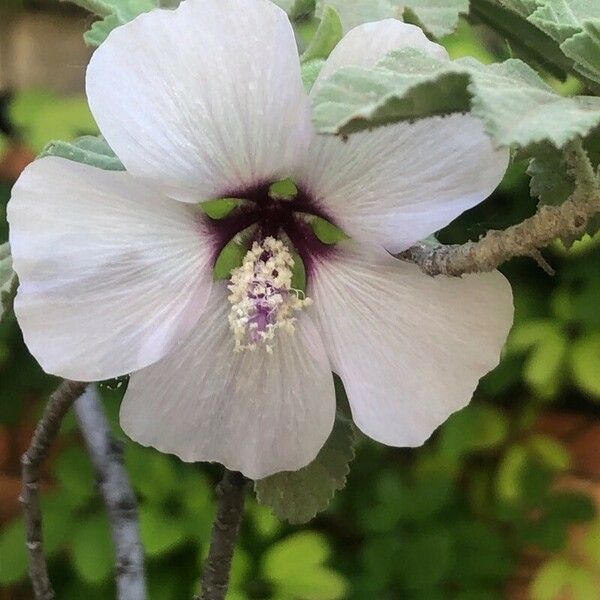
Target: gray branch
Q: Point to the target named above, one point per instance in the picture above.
(107, 456)
(570, 219)
(45, 433)
(230, 512)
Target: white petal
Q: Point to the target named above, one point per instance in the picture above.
(399, 184)
(366, 45)
(112, 276)
(207, 98)
(409, 348)
(254, 412)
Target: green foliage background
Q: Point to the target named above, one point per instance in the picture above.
(447, 521)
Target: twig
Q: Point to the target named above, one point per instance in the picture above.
(525, 239)
(230, 511)
(45, 433)
(107, 456)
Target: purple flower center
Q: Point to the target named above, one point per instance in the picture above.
(273, 218)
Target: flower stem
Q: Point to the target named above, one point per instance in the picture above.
(230, 511)
(45, 433)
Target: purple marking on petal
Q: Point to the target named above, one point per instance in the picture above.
(272, 218)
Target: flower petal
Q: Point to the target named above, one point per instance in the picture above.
(397, 185)
(112, 276)
(206, 99)
(366, 45)
(254, 412)
(409, 348)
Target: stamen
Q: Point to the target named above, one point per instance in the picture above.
(262, 298)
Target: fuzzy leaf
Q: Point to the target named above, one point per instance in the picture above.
(298, 496)
(310, 72)
(573, 24)
(89, 150)
(516, 106)
(328, 34)
(438, 17)
(8, 281)
(114, 13)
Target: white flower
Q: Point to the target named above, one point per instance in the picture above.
(115, 268)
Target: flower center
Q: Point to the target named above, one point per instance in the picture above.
(262, 297)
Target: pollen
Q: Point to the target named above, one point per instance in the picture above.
(262, 297)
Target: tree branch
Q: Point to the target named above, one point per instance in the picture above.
(230, 509)
(45, 433)
(570, 219)
(107, 456)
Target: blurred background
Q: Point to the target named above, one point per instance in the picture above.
(502, 502)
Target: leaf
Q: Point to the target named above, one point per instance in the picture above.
(8, 282)
(114, 13)
(550, 181)
(13, 566)
(297, 9)
(92, 548)
(161, 532)
(294, 566)
(529, 42)
(310, 72)
(517, 107)
(356, 12)
(550, 451)
(328, 34)
(477, 427)
(298, 496)
(74, 471)
(585, 361)
(90, 150)
(438, 17)
(560, 576)
(591, 543)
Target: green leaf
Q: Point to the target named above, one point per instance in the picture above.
(13, 566)
(357, 12)
(326, 232)
(585, 361)
(550, 452)
(573, 507)
(114, 13)
(560, 576)
(328, 34)
(219, 209)
(231, 257)
(74, 471)
(477, 427)
(591, 543)
(438, 17)
(550, 181)
(294, 567)
(298, 496)
(8, 282)
(92, 548)
(517, 107)
(161, 532)
(530, 43)
(310, 72)
(90, 150)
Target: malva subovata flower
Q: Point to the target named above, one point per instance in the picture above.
(116, 268)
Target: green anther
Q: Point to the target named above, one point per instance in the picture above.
(283, 190)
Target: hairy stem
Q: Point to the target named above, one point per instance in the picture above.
(525, 239)
(45, 433)
(230, 511)
(107, 456)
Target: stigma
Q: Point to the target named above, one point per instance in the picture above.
(262, 298)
